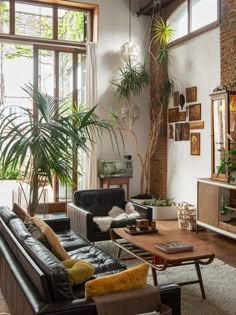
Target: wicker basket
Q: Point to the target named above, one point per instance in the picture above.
(187, 219)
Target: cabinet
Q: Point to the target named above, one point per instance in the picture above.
(223, 133)
(216, 206)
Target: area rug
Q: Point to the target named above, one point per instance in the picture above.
(219, 281)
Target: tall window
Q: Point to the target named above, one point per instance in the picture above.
(192, 15)
(44, 44)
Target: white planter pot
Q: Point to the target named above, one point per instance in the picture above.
(164, 213)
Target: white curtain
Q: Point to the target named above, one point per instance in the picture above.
(91, 100)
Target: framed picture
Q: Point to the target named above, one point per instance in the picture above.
(171, 132)
(178, 132)
(173, 115)
(182, 116)
(191, 94)
(197, 125)
(195, 144)
(176, 98)
(185, 131)
(194, 112)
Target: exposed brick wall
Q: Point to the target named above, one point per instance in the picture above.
(158, 179)
(228, 42)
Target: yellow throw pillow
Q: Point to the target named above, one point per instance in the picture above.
(52, 239)
(78, 270)
(133, 278)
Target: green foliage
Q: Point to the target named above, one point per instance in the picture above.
(133, 78)
(160, 202)
(162, 32)
(44, 147)
(228, 164)
(9, 173)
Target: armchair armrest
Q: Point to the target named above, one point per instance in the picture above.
(145, 212)
(81, 220)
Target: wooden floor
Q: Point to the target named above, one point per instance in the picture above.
(223, 247)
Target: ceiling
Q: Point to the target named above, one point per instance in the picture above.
(153, 6)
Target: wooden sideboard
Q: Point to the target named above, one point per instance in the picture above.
(216, 206)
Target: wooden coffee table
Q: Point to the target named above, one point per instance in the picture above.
(142, 248)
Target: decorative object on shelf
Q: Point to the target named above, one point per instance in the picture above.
(182, 116)
(196, 125)
(194, 112)
(115, 168)
(185, 131)
(181, 101)
(171, 132)
(195, 144)
(178, 132)
(176, 98)
(186, 216)
(173, 115)
(191, 94)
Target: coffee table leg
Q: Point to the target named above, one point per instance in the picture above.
(154, 276)
(200, 279)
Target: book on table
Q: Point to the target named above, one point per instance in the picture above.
(174, 247)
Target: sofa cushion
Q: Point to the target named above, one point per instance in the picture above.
(52, 239)
(6, 214)
(78, 270)
(35, 231)
(133, 278)
(20, 212)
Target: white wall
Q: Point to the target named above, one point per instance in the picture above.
(194, 63)
(112, 33)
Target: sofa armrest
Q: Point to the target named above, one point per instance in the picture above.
(81, 220)
(59, 224)
(171, 296)
(145, 212)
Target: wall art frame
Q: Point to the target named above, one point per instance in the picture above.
(191, 94)
(195, 143)
(185, 132)
(182, 116)
(173, 114)
(178, 132)
(194, 112)
(176, 98)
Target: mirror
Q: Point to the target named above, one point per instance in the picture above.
(219, 132)
(223, 129)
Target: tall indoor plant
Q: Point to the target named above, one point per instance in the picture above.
(133, 79)
(44, 144)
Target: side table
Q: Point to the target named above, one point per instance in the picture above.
(120, 181)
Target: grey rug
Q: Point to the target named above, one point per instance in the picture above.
(219, 281)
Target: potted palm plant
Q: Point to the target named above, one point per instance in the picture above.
(44, 146)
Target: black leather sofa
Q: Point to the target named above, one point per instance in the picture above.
(34, 281)
(88, 204)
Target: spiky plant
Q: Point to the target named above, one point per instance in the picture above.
(43, 147)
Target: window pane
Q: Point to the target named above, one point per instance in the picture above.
(33, 20)
(12, 57)
(46, 71)
(71, 25)
(179, 21)
(4, 14)
(206, 9)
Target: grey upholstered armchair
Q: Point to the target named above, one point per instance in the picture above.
(87, 205)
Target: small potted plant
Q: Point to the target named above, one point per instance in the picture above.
(163, 209)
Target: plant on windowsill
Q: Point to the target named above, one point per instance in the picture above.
(44, 145)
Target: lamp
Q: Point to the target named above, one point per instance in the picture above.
(129, 50)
